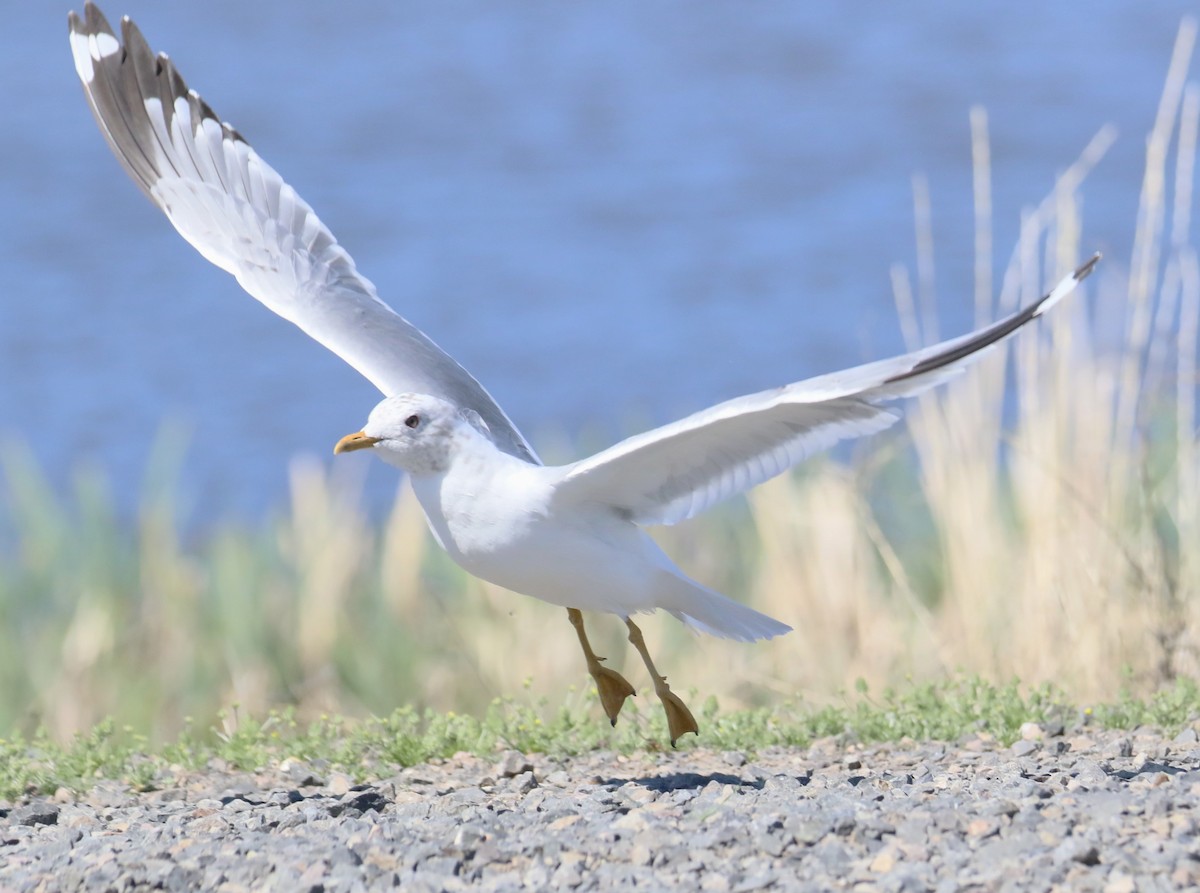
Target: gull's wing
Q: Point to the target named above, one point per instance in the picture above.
(239, 213)
(677, 471)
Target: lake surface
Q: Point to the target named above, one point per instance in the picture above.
(612, 213)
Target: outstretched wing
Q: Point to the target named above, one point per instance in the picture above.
(234, 209)
(677, 471)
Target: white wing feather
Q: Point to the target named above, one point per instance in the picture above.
(679, 470)
(242, 216)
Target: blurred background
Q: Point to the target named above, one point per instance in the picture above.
(613, 214)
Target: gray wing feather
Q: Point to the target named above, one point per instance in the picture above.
(242, 216)
(676, 471)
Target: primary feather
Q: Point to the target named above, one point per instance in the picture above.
(234, 209)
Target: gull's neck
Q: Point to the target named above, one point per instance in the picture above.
(473, 494)
(468, 452)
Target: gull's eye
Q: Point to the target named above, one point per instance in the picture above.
(412, 421)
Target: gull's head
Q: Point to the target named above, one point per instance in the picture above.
(415, 432)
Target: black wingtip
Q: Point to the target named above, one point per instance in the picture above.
(1086, 270)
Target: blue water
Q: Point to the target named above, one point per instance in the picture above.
(611, 213)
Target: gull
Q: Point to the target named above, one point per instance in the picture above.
(570, 535)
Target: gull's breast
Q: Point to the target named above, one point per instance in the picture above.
(499, 525)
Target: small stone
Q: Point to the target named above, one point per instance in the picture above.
(313, 877)
(80, 820)
(734, 758)
(1120, 883)
(632, 821)
(809, 831)
(512, 763)
(41, 813)
(1075, 850)
(1186, 875)
(568, 874)
(1031, 731)
(755, 882)
(340, 783)
(773, 843)
(285, 798)
(524, 783)
(981, 828)
(213, 825)
(1001, 807)
(641, 795)
(291, 819)
(1024, 747)
(365, 801)
(466, 795)
(560, 824)
(300, 774)
(1089, 773)
(851, 763)
(974, 743)
(884, 861)
(468, 837)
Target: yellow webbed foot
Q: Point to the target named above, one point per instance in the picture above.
(613, 689)
(679, 719)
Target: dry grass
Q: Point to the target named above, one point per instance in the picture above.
(1038, 520)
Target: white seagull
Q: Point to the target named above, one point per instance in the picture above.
(570, 535)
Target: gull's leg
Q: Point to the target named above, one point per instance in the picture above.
(612, 686)
(679, 719)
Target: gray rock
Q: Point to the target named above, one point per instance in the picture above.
(1074, 849)
(1025, 747)
(512, 763)
(38, 813)
(524, 783)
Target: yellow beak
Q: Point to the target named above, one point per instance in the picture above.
(355, 441)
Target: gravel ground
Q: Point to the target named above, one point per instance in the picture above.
(1086, 810)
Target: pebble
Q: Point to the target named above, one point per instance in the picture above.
(1025, 747)
(1103, 811)
(1031, 731)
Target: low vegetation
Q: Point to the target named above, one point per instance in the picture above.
(379, 746)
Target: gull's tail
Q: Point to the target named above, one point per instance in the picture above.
(710, 612)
